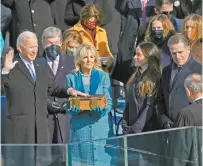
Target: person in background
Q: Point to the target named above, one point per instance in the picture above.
(172, 96)
(142, 90)
(91, 17)
(183, 8)
(59, 66)
(166, 7)
(71, 41)
(89, 78)
(192, 114)
(192, 29)
(159, 30)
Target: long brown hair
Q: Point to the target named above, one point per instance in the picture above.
(148, 80)
(197, 33)
(168, 27)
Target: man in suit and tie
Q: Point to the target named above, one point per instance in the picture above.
(192, 114)
(172, 96)
(60, 65)
(27, 82)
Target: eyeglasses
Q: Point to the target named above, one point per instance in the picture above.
(167, 13)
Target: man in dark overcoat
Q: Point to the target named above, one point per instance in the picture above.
(32, 15)
(27, 82)
(59, 123)
(172, 96)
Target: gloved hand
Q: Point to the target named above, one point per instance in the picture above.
(168, 125)
(53, 107)
(73, 112)
(101, 112)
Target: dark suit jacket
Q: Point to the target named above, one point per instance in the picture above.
(27, 102)
(65, 66)
(190, 116)
(173, 98)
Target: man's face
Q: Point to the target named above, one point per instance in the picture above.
(180, 53)
(29, 48)
(166, 8)
(53, 41)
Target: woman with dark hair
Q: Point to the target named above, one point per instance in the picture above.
(159, 30)
(142, 89)
(192, 28)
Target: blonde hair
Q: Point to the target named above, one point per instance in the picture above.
(197, 22)
(70, 35)
(82, 51)
(92, 10)
(168, 27)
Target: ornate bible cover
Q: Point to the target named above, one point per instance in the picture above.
(88, 103)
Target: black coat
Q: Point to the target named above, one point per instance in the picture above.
(173, 98)
(190, 116)
(33, 15)
(26, 117)
(139, 112)
(58, 9)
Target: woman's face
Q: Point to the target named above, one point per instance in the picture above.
(157, 25)
(139, 59)
(88, 61)
(73, 46)
(93, 20)
(189, 28)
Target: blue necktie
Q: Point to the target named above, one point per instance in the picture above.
(31, 72)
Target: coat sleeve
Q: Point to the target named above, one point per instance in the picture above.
(53, 89)
(4, 82)
(125, 126)
(184, 118)
(144, 116)
(108, 52)
(161, 106)
(107, 91)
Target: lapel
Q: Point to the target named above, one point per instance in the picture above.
(60, 65)
(94, 81)
(134, 95)
(23, 68)
(37, 71)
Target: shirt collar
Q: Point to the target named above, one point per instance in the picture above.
(26, 62)
(198, 99)
(49, 59)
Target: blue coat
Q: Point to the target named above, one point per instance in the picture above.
(87, 126)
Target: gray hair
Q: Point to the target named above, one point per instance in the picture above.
(50, 32)
(177, 38)
(194, 83)
(24, 35)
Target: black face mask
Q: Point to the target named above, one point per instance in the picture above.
(69, 52)
(157, 35)
(52, 51)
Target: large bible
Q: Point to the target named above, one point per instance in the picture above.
(88, 103)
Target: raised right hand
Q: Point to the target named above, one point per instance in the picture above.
(8, 63)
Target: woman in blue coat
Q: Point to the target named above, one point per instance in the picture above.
(89, 78)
